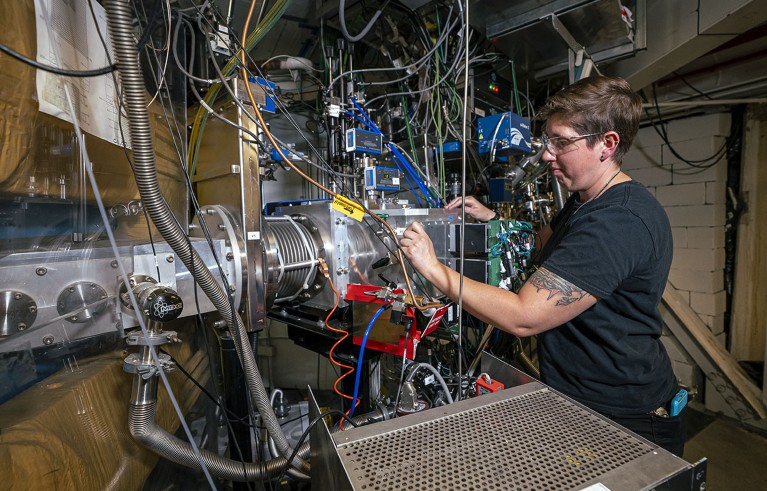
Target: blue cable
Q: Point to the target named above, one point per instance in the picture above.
(408, 170)
(419, 184)
(416, 177)
(363, 122)
(362, 352)
(397, 156)
(364, 115)
(409, 182)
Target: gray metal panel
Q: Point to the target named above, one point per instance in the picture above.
(228, 175)
(502, 371)
(327, 471)
(527, 437)
(45, 276)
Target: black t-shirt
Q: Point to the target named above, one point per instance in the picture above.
(619, 249)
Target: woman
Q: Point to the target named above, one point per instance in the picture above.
(593, 300)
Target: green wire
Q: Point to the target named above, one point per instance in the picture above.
(409, 133)
(516, 92)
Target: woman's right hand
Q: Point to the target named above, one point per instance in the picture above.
(473, 208)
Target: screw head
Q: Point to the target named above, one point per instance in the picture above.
(113, 263)
(17, 296)
(21, 326)
(32, 309)
(169, 259)
(229, 256)
(41, 271)
(48, 340)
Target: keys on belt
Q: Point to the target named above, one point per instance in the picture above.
(675, 405)
(660, 412)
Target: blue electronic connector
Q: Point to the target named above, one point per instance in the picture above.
(506, 132)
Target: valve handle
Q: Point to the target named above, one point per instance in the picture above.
(164, 305)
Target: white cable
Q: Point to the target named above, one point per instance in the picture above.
(167, 56)
(293, 63)
(342, 21)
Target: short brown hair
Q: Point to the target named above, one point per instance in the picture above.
(597, 105)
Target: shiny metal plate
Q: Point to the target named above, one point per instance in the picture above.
(524, 438)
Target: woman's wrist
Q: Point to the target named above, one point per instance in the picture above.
(496, 216)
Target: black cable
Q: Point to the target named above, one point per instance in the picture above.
(698, 164)
(156, 9)
(56, 70)
(684, 81)
(308, 429)
(230, 416)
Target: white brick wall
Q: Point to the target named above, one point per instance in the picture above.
(708, 303)
(694, 199)
(705, 237)
(697, 281)
(679, 234)
(698, 259)
(696, 215)
(716, 192)
(682, 194)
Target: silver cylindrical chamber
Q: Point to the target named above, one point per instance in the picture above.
(292, 257)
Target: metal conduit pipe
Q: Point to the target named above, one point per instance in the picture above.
(119, 20)
(381, 413)
(144, 429)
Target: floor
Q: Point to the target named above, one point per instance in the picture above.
(737, 455)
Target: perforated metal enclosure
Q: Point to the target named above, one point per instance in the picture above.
(524, 438)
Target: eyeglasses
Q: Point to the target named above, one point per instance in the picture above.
(558, 144)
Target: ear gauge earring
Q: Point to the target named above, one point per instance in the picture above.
(602, 158)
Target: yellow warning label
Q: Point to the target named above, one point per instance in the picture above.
(348, 207)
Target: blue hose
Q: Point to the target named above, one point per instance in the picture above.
(362, 352)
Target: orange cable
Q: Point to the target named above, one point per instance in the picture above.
(345, 334)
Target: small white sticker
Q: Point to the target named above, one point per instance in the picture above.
(254, 235)
(395, 180)
(479, 112)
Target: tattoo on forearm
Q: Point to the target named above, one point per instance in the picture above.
(564, 291)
